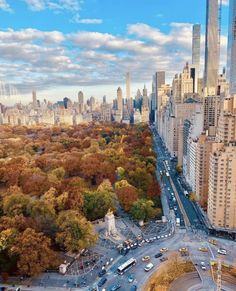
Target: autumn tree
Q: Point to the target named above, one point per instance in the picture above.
(56, 176)
(179, 169)
(105, 186)
(43, 215)
(127, 196)
(34, 253)
(18, 222)
(154, 192)
(7, 238)
(50, 196)
(34, 181)
(192, 196)
(74, 231)
(16, 204)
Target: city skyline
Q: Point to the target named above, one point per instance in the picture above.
(59, 53)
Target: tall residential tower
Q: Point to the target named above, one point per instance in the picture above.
(196, 45)
(211, 47)
(196, 52)
(231, 66)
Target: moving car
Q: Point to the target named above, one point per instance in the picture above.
(158, 255)
(163, 259)
(102, 282)
(203, 266)
(213, 242)
(222, 251)
(183, 250)
(115, 287)
(101, 273)
(131, 278)
(148, 267)
(203, 249)
(146, 258)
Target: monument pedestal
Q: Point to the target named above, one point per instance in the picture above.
(110, 224)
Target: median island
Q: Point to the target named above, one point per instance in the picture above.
(168, 271)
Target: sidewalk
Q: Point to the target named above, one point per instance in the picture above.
(37, 288)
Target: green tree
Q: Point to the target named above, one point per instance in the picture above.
(143, 209)
(74, 231)
(140, 179)
(97, 203)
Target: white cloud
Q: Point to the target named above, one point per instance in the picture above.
(90, 21)
(30, 34)
(55, 5)
(78, 19)
(52, 59)
(225, 2)
(36, 5)
(5, 6)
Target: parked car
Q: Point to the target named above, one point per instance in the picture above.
(133, 288)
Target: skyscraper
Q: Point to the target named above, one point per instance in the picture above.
(34, 97)
(145, 97)
(196, 45)
(81, 102)
(211, 47)
(231, 66)
(128, 95)
(196, 51)
(119, 100)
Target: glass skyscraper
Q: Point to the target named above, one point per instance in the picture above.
(231, 65)
(211, 45)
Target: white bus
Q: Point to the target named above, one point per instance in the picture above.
(126, 266)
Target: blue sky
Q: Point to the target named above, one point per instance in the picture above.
(59, 47)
